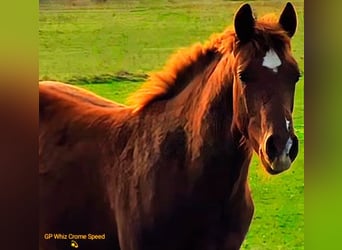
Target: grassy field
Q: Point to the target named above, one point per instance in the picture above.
(108, 48)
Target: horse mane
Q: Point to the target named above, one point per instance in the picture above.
(179, 70)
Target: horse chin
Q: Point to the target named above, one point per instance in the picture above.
(277, 166)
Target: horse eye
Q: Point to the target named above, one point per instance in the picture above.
(243, 77)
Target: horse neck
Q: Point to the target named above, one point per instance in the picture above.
(210, 116)
(210, 106)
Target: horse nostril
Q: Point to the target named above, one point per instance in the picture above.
(271, 149)
(294, 148)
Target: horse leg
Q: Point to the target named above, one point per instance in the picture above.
(238, 221)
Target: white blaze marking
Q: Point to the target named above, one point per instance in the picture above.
(271, 60)
(288, 146)
(287, 124)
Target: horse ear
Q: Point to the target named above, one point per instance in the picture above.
(288, 19)
(244, 23)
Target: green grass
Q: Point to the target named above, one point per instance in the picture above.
(118, 91)
(90, 44)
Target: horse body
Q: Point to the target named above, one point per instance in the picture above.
(152, 189)
(179, 194)
(170, 172)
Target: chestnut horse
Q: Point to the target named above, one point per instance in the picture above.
(169, 171)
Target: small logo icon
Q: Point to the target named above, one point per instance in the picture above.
(74, 244)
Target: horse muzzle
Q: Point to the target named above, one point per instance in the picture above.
(278, 154)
